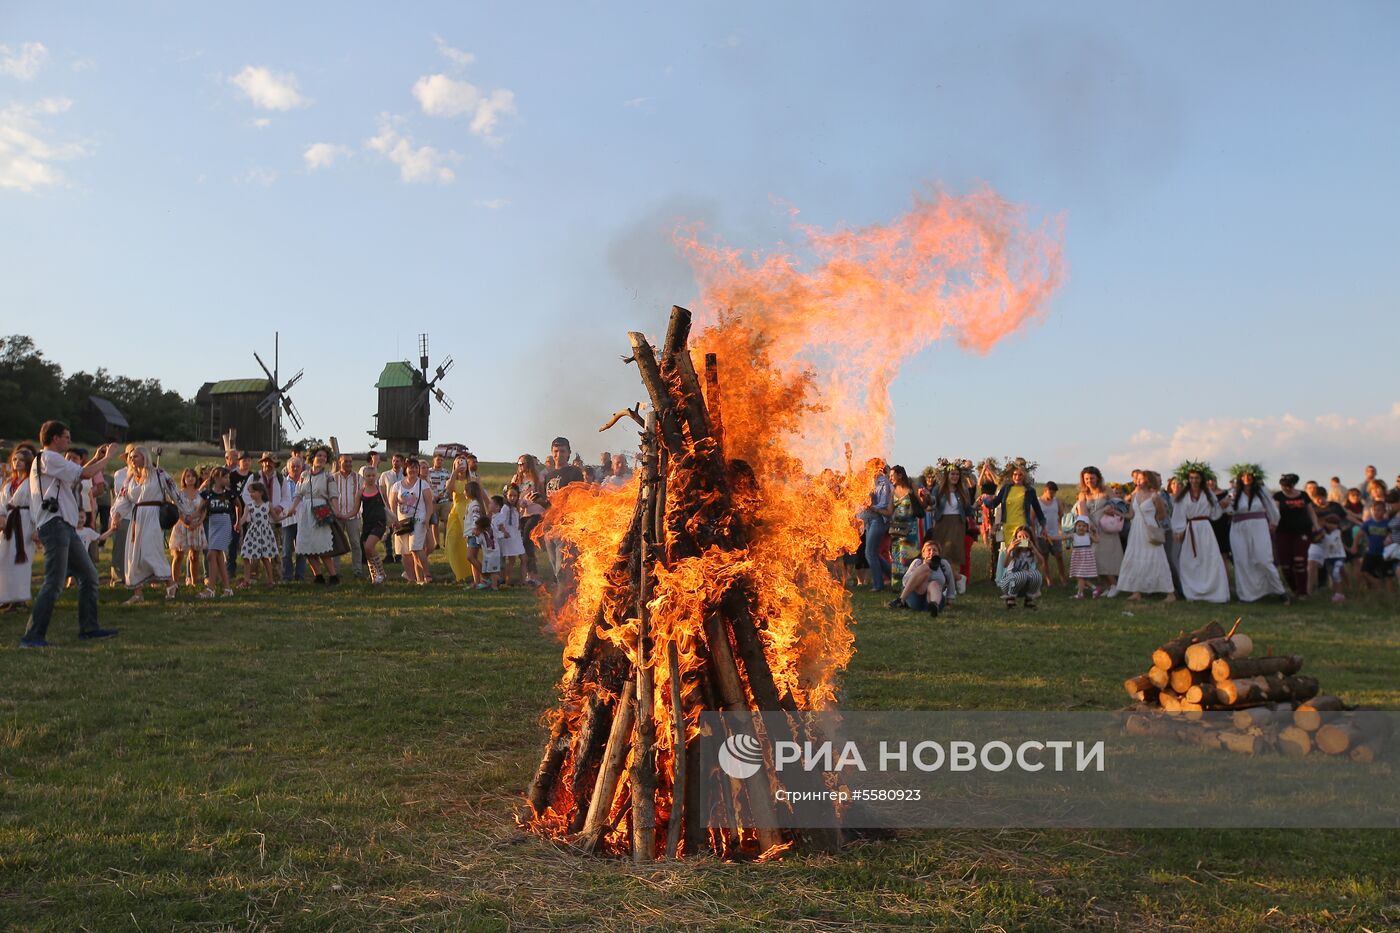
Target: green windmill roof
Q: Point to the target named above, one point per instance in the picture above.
(398, 375)
(238, 386)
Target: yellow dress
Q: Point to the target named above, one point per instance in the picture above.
(456, 540)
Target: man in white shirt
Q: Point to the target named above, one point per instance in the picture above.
(54, 485)
(348, 486)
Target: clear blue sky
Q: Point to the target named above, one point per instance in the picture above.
(506, 177)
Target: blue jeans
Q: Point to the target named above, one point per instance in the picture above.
(875, 531)
(64, 554)
(289, 543)
(919, 601)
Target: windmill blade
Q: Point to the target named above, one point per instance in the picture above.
(422, 400)
(268, 403)
(291, 411)
(443, 368)
(265, 369)
(443, 399)
(294, 380)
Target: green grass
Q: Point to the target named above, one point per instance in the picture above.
(304, 759)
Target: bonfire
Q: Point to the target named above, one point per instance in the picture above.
(705, 584)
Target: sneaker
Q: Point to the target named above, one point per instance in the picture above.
(1096, 593)
(1112, 592)
(206, 593)
(896, 603)
(1338, 598)
(482, 586)
(33, 643)
(1079, 595)
(97, 633)
(227, 591)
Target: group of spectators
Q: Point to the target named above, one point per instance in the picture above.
(284, 522)
(1180, 539)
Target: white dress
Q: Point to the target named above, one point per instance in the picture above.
(1145, 568)
(17, 579)
(147, 560)
(506, 526)
(411, 502)
(1198, 559)
(313, 491)
(1252, 547)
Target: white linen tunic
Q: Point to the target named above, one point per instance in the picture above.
(1252, 547)
(1145, 567)
(1199, 563)
(16, 579)
(139, 503)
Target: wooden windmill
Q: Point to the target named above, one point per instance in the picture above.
(405, 398)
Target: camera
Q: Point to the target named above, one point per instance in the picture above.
(50, 504)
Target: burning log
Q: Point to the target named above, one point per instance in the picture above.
(618, 756)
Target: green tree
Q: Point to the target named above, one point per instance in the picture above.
(31, 389)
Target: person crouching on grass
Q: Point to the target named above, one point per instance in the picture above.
(930, 582)
(258, 544)
(1021, 572)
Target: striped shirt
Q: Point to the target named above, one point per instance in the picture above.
(348, 487)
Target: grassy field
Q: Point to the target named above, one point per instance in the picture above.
(345, 759)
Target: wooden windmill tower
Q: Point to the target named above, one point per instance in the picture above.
(405, 396)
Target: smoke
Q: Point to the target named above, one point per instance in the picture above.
(1100, 116)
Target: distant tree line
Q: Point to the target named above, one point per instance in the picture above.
(33, 389)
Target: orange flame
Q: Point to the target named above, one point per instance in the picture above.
(806, 357)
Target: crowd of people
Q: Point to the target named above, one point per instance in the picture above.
(305, 519)
(284, 523)
(1180, 539)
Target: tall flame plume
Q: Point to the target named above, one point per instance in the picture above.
(755, 483)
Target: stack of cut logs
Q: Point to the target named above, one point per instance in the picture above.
(1271, 707)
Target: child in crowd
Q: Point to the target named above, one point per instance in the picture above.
(1083, 564)
(505, 525)
(219, 502)
(1376, 528)
(1020, 575)
(490, 554)
(258, 544)
(1327, 554)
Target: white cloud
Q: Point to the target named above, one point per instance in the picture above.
(268, 90)
(443, 96)
(23, 63)
(637, 101)
(259, 176)
(417, 164)
(261, 123)
(27, 153)
(1321, 446)
(323, 155)
(493, 204)
(84, 64)
(455, 56)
